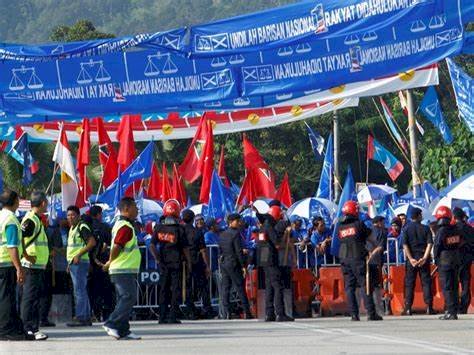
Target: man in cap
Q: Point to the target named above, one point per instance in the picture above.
(232, 265)
(417, 244)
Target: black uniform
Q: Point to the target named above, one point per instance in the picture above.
(353, 234)
(100, 288)
(377, 238)
(267, 257)
(417, 237)
(232, 262)
(171, 242)
(197, 281)
(467, 257)
(447, 253)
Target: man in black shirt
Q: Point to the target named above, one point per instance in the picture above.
(268, 243)
(199, 268)
(352, 234)
(101, 289)
(417, 244)
(170, 247)
(376, 244)
(232, 265)
(467, 256)
(447, 252)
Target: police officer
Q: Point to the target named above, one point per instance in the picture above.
(376, 245)
(447, 253)
(353, 234)
(170, 247)
(200, 272)
(467, 256)
(232, 266)
(101, 290)
(35, 258)
(267, 258)
(11, 272)
(80, 242)
(417, 243)
(123, 267)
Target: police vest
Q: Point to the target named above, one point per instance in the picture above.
(75, 243)
(452, 238)
(37, 243)
(129, 259)
(7, 218)
(352, 245)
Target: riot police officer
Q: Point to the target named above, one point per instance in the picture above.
(467, 255)
(172, 250)
(447, 253)
(267, 257)
(232, 266)
(353, 234)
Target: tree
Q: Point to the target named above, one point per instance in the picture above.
(82, 30)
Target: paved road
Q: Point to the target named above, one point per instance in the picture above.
(395, 335)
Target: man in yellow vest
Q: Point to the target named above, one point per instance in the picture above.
(34, 261)
(79, 242)
(11, 272)
(123, 267)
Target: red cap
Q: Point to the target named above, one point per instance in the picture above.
(171, 208)
(350, 208)
(443, 212)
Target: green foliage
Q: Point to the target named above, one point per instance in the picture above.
(285, 148)
(82, 30)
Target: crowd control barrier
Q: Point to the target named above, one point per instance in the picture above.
(317, 280)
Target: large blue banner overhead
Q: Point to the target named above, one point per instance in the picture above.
(358, 41)
(327, 21)
(168, 40)
(139, 81)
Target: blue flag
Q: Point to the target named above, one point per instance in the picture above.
(463, 86)
(22, 149)
(432, 110)
(348, 193)
(317, 143)
(325, 188)
(217, 205)
(140, 168)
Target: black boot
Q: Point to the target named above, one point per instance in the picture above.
(374, 317)
(270, 318)
(407, 311)
(355, 318)
(449, 316)
(284, 318)
(430, 310)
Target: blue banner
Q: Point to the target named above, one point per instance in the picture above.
(463, 86)
(325, 188)
(140, 81)
(431, 108)
(169, 40)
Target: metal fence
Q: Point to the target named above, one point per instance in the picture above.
(307, 258)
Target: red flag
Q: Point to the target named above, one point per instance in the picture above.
(264, 182)
(107, 154)
(126, 152)
(221, 169)
(247, 193)
(284, 192)
(370, 147)
(191, 167)
(207, 165)
(154, 184)
(252, 158)
(165, 185)
(83, 160)
(178, 192)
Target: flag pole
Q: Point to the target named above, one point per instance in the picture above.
(367, 173)
(336, 154)
(413, 147)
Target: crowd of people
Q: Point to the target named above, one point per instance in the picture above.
(100, 264)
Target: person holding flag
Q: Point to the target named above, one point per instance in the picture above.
(353, 234)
